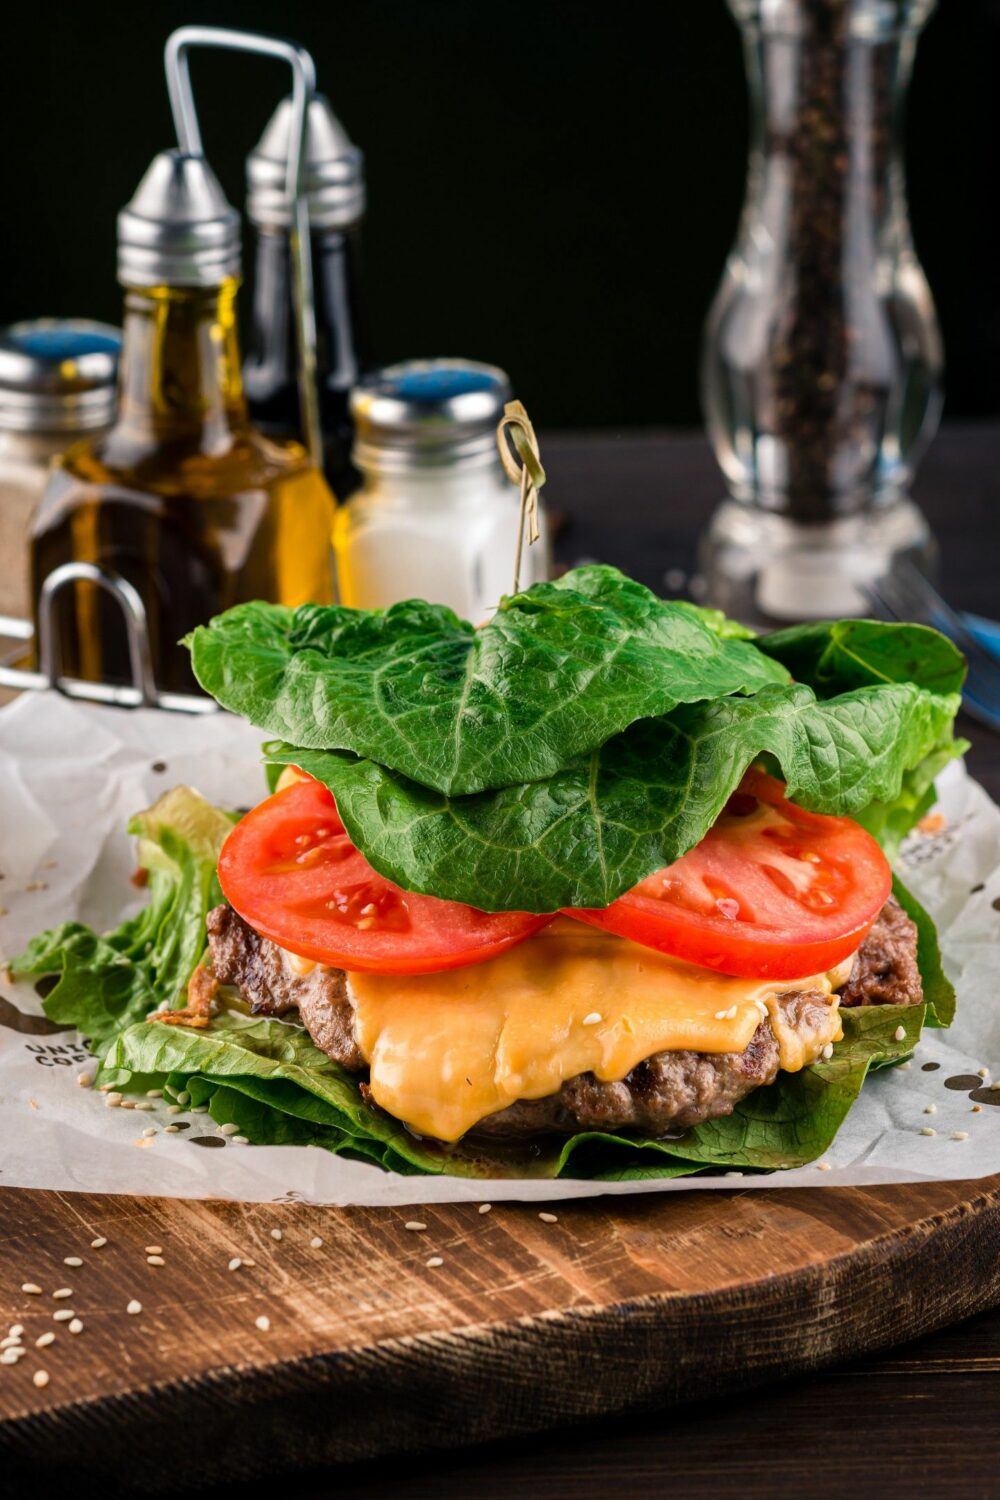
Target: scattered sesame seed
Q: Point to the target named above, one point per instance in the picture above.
(930, 1109)
(154, 1249)
(40, 1378)
(113, 1100)
(731, 1013)
(960, 1135)
(105, 1088)
(63, 1315)
(149, 1131)
(85, 1080)
(75, 1325)
(154, 1093)
(200, 1109)
(170, 1130)
(977, 1109)
(235, 1263)
(434, 1262)
(484, 1208)
(45, 1339)
(549, 1218)
(10, 1356)
(184, 1097)
(984, 1072)
(249, 1262)
(37, 885)
(134, 1307)
(72, 1260)
(155, 1260)
(174, 1109)
(315, 1242)
(31, 1289)
(905, 1067)
(10, 1342)
(99, 1243)
(823, 1166)
(732, 1174)
(127, 1103)
(15, 1330)
(827, 1052)
(144, 1104)
(928, 1131)
(900, 1033)
(995, 1087)
(62, 1293)
(228, 1129)
(263, 1323)
(414, 1224)
(240, 1140)
(594, 1019)
(276, 1234)
(720, 1015)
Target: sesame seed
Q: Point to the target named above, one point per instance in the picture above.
(10, 1356)
(928, 1131)
(235, 1263)
(549, 1218)
(183, 1097)
(45, 1339)
(240, 1140)
(732, 1174)
(31, 1289)
(484, 1208)
(72, 1260)
(85, 1080)
(75, 1325)
(99, 1243)
(263, 1323)
(276, 1234)
(134, 1307)
(41, 1379)
(594, 1019)
(720, 1015)
(15, 1330)
(113, 1100)
(930, 1109)
(170, 1130)
(154, 1249)
(434, 1262)
(228, 1129)
(200, 1109)
(154, 1093)
(249, 1262)
(62, 1293)
(905, 1067)
(10, 1342)
(414, 1224)
(900, 1033)
(144, 1104)
(827, 1052)
(149, 1132)
(155, 1260)
(823, 1166)
(126, 1103)
(977, 1109)
(984, 1072)
(960, 1135)
(63, 1315)
(174, 1109)
(315, 1242)
(995, 1087)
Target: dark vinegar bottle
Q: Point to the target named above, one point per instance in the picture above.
(336, 188)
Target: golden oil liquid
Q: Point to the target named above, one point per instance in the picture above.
(182, 497)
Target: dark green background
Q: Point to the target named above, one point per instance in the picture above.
(553, 186)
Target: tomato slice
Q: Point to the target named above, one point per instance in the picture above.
(771, 892)
(291, 871)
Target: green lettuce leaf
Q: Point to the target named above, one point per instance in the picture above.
(558, 670)
(587, 834)
(107, 983)
(835, 656)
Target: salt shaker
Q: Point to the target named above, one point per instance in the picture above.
(436, 517)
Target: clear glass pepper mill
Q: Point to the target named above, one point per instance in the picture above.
(822, 358)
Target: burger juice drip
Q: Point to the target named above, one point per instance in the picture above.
(182, 497)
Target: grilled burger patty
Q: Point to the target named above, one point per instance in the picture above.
(668, 1091)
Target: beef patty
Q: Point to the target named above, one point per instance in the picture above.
(668, 1091)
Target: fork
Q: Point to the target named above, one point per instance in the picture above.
(905, 594)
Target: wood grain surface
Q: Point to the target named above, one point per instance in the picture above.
(624, 1306)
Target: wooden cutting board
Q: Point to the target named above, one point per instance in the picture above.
(622, 1304)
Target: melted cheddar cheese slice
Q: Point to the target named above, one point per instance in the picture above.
(446, 1050)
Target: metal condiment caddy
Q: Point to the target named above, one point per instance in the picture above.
(20, 633)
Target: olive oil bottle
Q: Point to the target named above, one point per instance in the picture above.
(182, 497)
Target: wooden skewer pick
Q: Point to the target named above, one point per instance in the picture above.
(516, 440)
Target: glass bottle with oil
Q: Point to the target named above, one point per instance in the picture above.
(183, 497)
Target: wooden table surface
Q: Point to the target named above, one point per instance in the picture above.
(923, 1420)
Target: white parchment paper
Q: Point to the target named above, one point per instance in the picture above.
(71, 775)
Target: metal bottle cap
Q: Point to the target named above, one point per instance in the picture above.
(179, 229)
(334, 171)
(58, 375)
(428, 413)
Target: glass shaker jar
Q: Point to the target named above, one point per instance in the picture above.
(436, 517)
(57, 384)
(822, 359)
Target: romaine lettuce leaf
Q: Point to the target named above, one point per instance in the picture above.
(834, 656)
(587, 834)
(557, 671)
